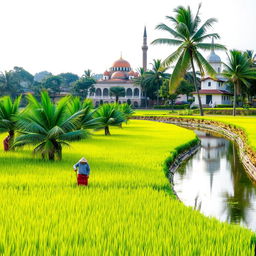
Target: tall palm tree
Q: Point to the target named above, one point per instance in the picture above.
(88, 73)
(48, 126)
(189, 36)
(238, 71)
(109, 116)
(156, 76)
(9, 112)
(117, 91)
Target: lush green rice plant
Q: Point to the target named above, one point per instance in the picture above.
(126, 209)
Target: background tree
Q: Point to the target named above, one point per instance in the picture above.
(88, 73)
(165, 94)
(186, 85)
(68, 78)
(117, 91)
(238, 71)
(53, 85)
(188, 35)
(9, 114)
(9, 84)
(24, 78)
(156, 76)
(84, 86)
(48, 126)
(42, 76)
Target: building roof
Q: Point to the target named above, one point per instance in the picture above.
(121, 63)
(106, 73)
(213, 92)
(217, 79)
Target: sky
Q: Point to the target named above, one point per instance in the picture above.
(74, 35)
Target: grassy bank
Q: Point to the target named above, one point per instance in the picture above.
(126, 210)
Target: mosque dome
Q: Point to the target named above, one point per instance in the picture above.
(118, 75)
(121, 63)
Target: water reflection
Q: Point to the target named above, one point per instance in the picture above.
(214, 182)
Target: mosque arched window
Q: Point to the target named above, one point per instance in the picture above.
(98, 92)
(129, 92)
(105, 92)
(136, 92)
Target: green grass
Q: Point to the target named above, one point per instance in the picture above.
(126, 210)
(247, 123)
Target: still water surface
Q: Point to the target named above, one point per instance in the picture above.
(214, 182)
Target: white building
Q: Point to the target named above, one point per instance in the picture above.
(121, 75)
(214, 91)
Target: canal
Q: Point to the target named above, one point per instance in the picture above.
(214, 182)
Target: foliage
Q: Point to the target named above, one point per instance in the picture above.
(84, 86)
(239, 72)
(87, 119)
(68, 78)
(42, 76)
(126, 210)
(109, 115)
(9, 84)
(156, 76)
(53, 84)
(48, 126)
(127, 110)
(117, 91)
(189, 36)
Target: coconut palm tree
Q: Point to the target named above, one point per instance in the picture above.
(9, 113)
(88, 121)
(109, 116)
(238, 71)
(156, 76)
(48, 126)
(117, 91)
(189, 36)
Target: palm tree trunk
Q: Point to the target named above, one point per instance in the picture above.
(116, 99)
(51, 156)
(197, 91)
(107, 132)
(234, 100)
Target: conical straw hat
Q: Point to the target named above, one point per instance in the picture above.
(82, 160)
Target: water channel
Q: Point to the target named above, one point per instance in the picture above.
(214, 182)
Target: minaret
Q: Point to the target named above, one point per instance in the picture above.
(144, 50)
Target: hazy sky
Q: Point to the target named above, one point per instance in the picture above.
(74, 35)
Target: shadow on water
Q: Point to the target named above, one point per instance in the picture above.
(214, 182)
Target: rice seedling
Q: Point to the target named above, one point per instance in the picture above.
(126, 210)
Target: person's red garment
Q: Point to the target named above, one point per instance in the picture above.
(6, 143)
(82, 179)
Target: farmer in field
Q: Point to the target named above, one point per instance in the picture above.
(82, 172)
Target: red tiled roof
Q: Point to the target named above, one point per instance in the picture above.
(211, 78)
(213, 92)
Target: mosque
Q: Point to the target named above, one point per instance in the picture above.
(121, 74)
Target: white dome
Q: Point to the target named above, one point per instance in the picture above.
(214, 58)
